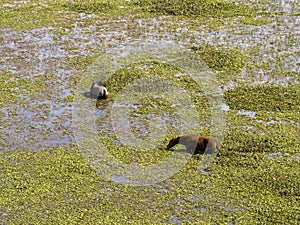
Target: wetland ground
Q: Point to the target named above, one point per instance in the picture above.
(252, 49)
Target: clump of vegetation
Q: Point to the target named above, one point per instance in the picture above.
(221, 59)
(94, 6)
(213, 8)
(264, 97)
(60, 186)
(254, 21)
(153, 69)
(12, 86)
(29, 15)
(247, 142)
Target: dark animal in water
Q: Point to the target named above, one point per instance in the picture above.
(199, 143)
(99, 90)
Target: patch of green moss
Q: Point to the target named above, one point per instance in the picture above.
(272, 190)
(12, 86)
(121, 79)
(264, 97)
(153, 105)
(80, 63)
(156, 70)
(265, 132)
(190, 8)
(221, 59)
(69, 98)
(16, 89)
(60, 187)
(7, 16)
(94, 6)
(142, 157)
(239, 140)
(254, 21)
(29, 16)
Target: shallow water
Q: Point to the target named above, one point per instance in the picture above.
(251, 114)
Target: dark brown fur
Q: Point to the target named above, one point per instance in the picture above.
(199, 143)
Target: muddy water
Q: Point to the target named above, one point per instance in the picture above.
(44, 119)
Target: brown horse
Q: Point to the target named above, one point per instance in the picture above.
(199, 143)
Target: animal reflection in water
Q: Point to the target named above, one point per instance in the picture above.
(98, 90)
(199, 143)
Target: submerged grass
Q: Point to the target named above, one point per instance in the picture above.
(14, 86)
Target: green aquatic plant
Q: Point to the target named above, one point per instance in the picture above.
(254, 21)
(253, 180)
(94, 6)
(220, 58)
(190, 8)
(264, 97)
(12, 86)
(60, 186)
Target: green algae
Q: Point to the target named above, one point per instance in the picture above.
(264, 97)
(240, 188)
(192, 8)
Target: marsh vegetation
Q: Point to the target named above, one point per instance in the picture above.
(253, 50)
